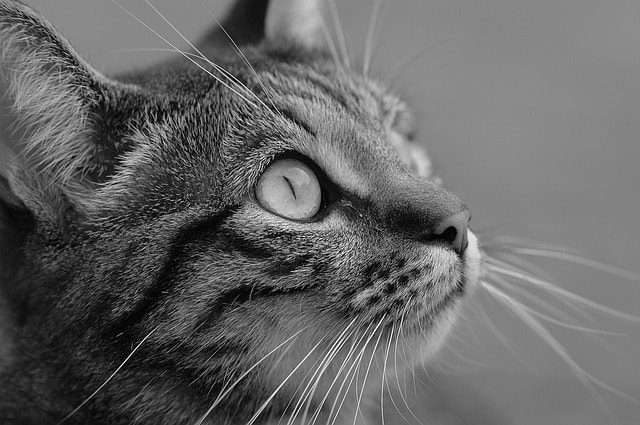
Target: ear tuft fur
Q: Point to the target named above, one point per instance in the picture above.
(47, 93)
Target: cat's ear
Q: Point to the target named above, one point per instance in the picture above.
(48, 102)
(282, 22)
(297, 22)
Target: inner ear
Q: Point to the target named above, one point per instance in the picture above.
(7, 198)
(50, 102)
(296, 23)
(244, 25)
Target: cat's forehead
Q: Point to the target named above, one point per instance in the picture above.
(337, 119)
(325, 84)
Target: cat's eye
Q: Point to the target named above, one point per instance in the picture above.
(289, 188)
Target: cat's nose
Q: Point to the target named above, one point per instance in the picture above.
(420, 210)
(453, 231)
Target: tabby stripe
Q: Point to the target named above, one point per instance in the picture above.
(337, 96)
(178, 251)
(247, 247)
(286, 267)
(294, 118)
(239, 295)
(260, 251)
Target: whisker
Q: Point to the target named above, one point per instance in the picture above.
(424, 335)
(578, 309)
(355, 366)
(384, 376)
(340, 33)
(225, 392)
(366, 375)
(563, 292)
(388, 387)
(588, 380)
(446, 365)
(136, 399)
(407, 361)
(405, 64)
(304, 397)
(505, 342)
(243, 57)
(442, 362)
(151, 49)
(333, 50)
(264, 405)
(352, 372)
(395, 360)
(370, 38)
(592, 333)
(523, 265)
(519, 242)
(547, 305)
(534, 298)
(217, 67)
(354, 345)
(162, 50)
(573, 258)
(314, 381)
(416, 379)
(349, 374)
(539, 249)
(74, 411)
(215, 77)
(470, 339)
(326, 364)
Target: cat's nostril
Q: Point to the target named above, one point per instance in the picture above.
(453, 231)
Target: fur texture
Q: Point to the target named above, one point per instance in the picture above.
(136, 244)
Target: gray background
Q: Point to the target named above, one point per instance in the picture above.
(531, 111)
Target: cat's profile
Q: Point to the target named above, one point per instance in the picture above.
(217, 240)
(244, 234)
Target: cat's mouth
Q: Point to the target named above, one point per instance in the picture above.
(419, 290)
(446, 295)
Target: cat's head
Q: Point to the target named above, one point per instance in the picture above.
(263, 216)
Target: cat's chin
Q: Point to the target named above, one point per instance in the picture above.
(435, 325)
(447, 317)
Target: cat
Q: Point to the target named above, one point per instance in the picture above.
(219, 231)
(238, 236)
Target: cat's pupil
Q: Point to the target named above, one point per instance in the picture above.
(289, 188)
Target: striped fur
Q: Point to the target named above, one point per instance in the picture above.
(137, 244)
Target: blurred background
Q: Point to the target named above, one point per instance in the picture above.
(531, 112)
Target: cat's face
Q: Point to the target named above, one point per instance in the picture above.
(279, 225)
